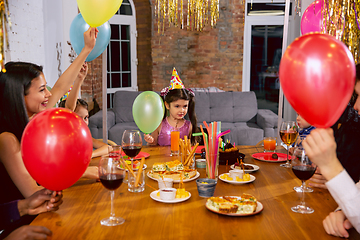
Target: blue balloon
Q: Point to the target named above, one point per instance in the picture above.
(77, 29)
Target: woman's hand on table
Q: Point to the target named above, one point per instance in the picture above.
(41, 201)
(317, 180)
(336, 224)
(92, 172)
(29, 232)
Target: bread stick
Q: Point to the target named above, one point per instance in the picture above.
(139, 172)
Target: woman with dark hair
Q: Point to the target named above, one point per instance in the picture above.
(23, 94)
(179, 101)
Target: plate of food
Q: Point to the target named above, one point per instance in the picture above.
(181, 196)
(138, 157)
(247, 167)
(173, 169)
(245, 205)
(270, 157)
(247, 178)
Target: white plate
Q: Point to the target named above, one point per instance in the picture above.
(256, 167)
(258, 209)
(177, 181)
(154, 196)
(144, 167)
(252, 178)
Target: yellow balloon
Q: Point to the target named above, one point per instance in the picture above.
(97, 12)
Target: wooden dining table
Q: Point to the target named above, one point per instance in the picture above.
(87, 202)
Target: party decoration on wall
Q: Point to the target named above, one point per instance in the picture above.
(5, 23)
(190, 14)
(311, 20)
(97, 12)
(148, 111)
(341, 19)
(317, 75)
(77, 29)
(56, 148)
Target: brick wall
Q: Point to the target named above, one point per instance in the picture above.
(212, 57)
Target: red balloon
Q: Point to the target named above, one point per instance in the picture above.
(56, 148)
(317, 74)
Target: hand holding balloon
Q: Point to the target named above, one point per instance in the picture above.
(79, 31)
(148, 111)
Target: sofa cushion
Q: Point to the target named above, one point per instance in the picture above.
(245, 106)
(202, 106)
(123, 102)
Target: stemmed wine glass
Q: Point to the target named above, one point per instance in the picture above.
(111, 177)
(297, 151)
(131, 144)
(288, 134)
(303, 169)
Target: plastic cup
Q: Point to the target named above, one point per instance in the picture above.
(165, 183)
(206, 187)
(132, 179)
(269, 144)
(174, 136)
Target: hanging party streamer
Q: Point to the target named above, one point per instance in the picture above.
(188, 14)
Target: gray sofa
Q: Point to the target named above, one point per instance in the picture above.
(237, 111)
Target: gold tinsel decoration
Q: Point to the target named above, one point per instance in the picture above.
(4, 24)
(341, 19)
(189, 14)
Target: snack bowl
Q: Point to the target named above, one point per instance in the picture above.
(236, 173)
(165, 183)
(167, 193)
(206, 187)
(200, 163)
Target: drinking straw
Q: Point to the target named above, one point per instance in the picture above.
(205, 138)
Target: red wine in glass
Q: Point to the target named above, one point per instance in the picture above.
(111, 177)
(112, 181)
(131, 151)
(303, 169)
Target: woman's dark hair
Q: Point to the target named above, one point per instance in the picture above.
(184, 94)
(14, 86)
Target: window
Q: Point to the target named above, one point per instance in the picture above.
(121, 52)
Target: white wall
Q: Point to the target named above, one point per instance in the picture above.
(40, 31)
(27, 35)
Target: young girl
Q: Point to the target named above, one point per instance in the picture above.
(23, 94)
(81, 109)
(178, 102)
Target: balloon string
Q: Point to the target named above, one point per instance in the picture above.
(356, 18)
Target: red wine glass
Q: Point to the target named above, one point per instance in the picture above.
(298, 143)
(303, 169)
(288, 134)
(131, 144)
(111, 177)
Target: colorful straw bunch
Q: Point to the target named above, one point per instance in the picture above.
(212, 143)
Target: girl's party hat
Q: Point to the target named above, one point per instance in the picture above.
(175, 82)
